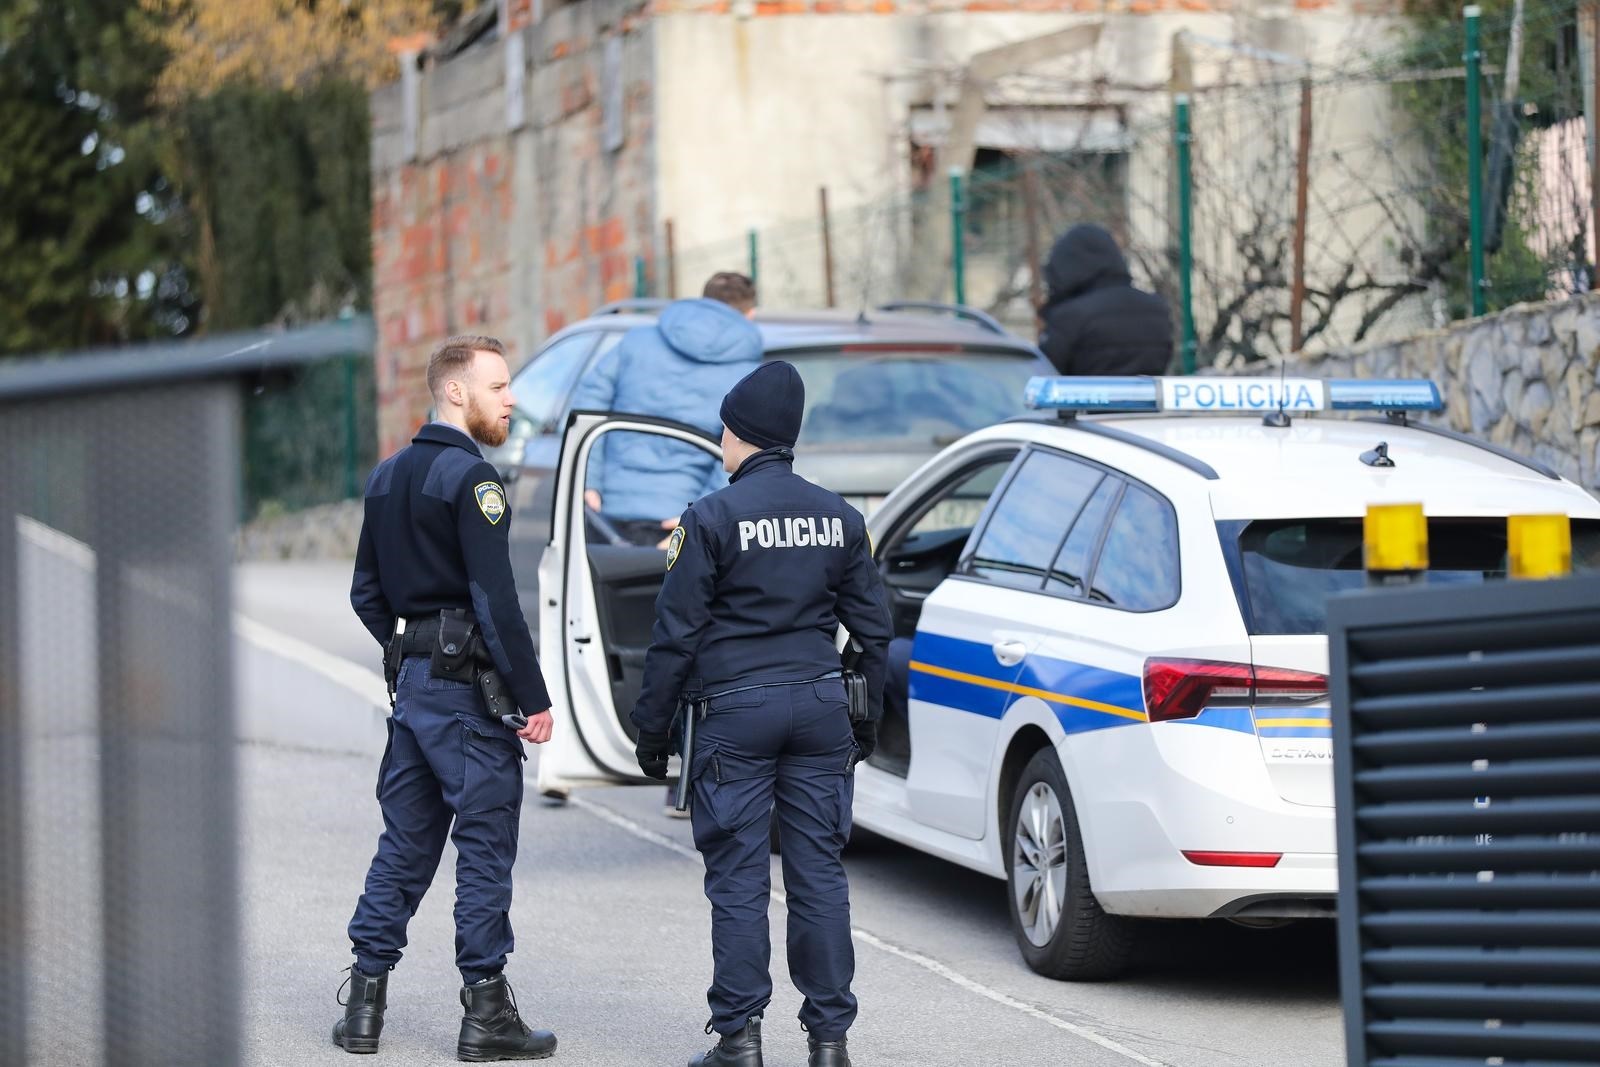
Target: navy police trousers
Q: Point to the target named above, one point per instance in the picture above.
(789, 746)
(451, 771)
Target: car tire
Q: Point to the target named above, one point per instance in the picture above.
(1061, 929)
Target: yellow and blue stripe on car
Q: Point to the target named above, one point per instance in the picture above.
(961, 674)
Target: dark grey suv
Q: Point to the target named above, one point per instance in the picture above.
(885, 390)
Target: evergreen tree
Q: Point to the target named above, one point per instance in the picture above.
(92, 239)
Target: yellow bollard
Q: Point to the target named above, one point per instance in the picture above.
(1540, 546)
(1395, 538)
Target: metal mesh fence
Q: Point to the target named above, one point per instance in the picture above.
(118, 726)
(1386, 218)
(310, 436)
(119, 492)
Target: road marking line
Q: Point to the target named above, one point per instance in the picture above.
(605, 814)
(866, 937)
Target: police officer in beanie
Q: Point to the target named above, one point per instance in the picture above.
(433, 558)
(759, 577)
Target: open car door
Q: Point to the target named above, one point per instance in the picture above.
(597, 594)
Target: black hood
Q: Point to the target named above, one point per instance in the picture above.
(1085, 257)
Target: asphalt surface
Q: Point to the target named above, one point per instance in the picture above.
(310, 601)
(613, 934)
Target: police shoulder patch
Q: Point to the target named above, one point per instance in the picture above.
(491, 501)
(674, 546)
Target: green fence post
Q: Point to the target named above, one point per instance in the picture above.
(351, 488)
(641, 288)
(1181, 138)
(755, 256)
(1474, 160)
(958, 235)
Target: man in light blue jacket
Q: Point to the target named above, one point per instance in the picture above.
(679, 369)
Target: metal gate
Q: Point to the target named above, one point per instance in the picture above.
(1467, 763)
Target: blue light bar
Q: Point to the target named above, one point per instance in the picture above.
(1223, 395)
(1094, 394)
(1384, 394)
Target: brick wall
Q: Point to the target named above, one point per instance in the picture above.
(441, 249)
(512, 233)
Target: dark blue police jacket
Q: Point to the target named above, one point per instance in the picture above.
(759, 576)
(434, 536)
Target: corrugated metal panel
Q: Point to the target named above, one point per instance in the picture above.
(1467, 769)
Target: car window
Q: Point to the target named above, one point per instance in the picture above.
(1070, 570)
(542, 386)
(1292, 566)
(1025, 530)
(1138, 567)
(915, 397)
(959, 505)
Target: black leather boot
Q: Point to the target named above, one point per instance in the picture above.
(363, 1013)
(742, 1048)
(827, 1053)
(492, 1028)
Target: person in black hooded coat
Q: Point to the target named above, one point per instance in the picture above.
(1094, 320)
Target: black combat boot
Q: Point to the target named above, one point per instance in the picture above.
(363, 1013)
(827, 1053)
(492, 1029)
(742, 1048)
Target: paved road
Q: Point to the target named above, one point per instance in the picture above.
(613, 950)
(307, 600)
(614, 932)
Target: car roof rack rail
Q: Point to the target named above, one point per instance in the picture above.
(632, 304)
(1397, 418)
(960, 311)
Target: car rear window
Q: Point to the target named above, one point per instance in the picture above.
(1291, 566)
(916, 397)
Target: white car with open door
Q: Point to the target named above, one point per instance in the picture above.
(1114, 612)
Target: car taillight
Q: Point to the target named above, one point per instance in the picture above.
(1233, 859)
(1183, 688)
(1282, 687)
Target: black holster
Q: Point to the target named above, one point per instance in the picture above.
(855, 691)
(452, 656)
(392, 655)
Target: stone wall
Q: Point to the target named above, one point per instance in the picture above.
(326, 532)
(1524, 378)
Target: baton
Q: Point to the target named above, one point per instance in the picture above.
(682, 803)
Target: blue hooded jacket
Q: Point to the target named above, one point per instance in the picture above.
(678, 369)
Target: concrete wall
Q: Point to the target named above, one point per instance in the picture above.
(510, 229)
(1524, 378)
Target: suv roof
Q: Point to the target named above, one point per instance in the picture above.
(917, 324)
(1314, 467)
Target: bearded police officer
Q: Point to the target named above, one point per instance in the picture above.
(759, 577)
(433, 583)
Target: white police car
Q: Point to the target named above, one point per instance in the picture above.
(1115, 624)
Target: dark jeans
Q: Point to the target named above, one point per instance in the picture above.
(449, 771)
(788, 745)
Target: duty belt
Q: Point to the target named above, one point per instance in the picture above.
(417, 636)
(765, 685)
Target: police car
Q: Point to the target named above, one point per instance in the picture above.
(1112, 616)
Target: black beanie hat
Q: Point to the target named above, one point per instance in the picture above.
(764, 407)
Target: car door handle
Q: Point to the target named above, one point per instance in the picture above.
(1009, 653)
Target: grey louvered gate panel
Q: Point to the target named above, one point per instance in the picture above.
(1467, 772)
